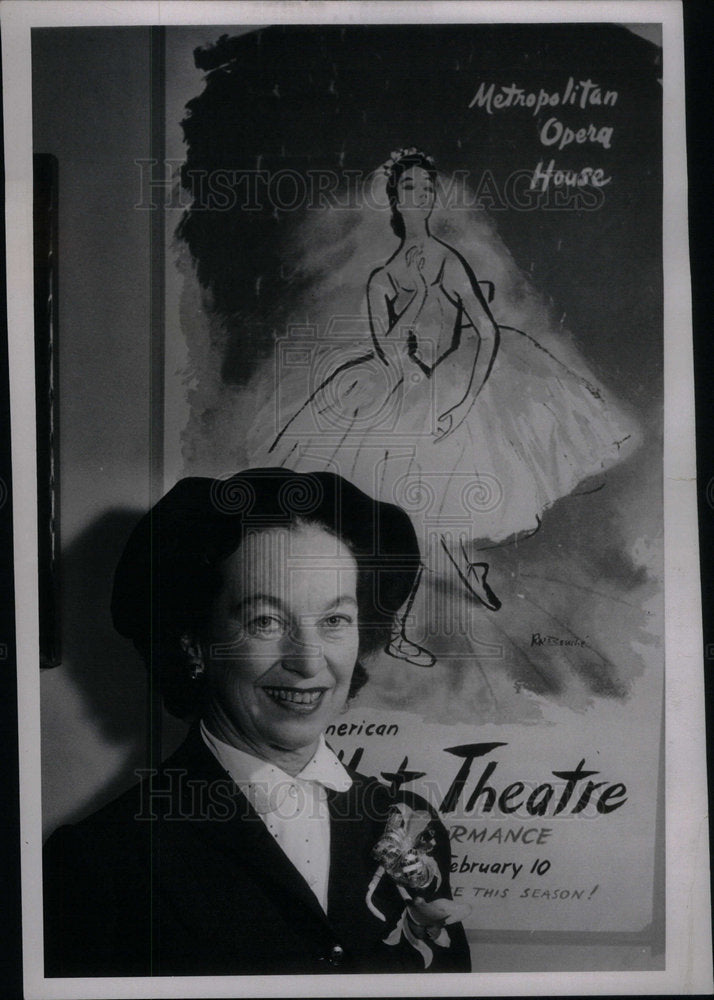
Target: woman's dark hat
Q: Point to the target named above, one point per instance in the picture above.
(169, 568)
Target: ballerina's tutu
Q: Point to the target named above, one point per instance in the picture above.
(535, 432)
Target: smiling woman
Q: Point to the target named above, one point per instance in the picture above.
(283, 643)
(253, 601)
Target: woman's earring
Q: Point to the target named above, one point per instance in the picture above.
(194, 656)
(198, 669)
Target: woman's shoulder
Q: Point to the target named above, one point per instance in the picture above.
(456, 272)
(156, 793)
(381, 278)
(452, 258)
(113, 821)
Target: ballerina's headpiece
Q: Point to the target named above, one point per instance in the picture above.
(400, 154)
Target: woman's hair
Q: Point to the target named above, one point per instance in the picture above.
(171, 571)
(395, 168)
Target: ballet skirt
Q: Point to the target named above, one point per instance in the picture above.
(536, 432)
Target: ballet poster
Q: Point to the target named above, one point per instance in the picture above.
(426, 255)
(449, 291)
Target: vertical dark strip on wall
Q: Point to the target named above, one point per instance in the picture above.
(46, 230)
(156, 407)
(156, 215)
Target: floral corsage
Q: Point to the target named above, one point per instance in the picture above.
(404, 853)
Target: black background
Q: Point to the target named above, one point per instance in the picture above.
(602, 267)
(699, 46)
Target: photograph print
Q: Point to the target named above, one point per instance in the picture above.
(352, 488)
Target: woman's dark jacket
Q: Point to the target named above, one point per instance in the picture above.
(179, 876)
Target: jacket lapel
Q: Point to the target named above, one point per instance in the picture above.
(351, 863)
(243, 835)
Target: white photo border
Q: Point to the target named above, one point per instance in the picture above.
(688, 949)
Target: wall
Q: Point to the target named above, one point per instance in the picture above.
(92, 111)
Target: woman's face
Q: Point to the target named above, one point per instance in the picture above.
(415, 192)
(283, 640)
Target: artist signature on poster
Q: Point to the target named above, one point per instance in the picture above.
(537, 639)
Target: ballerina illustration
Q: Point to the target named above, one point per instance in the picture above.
(473, 427)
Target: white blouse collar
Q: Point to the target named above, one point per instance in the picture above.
(265, 784)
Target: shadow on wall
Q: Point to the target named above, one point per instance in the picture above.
(103, 673)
